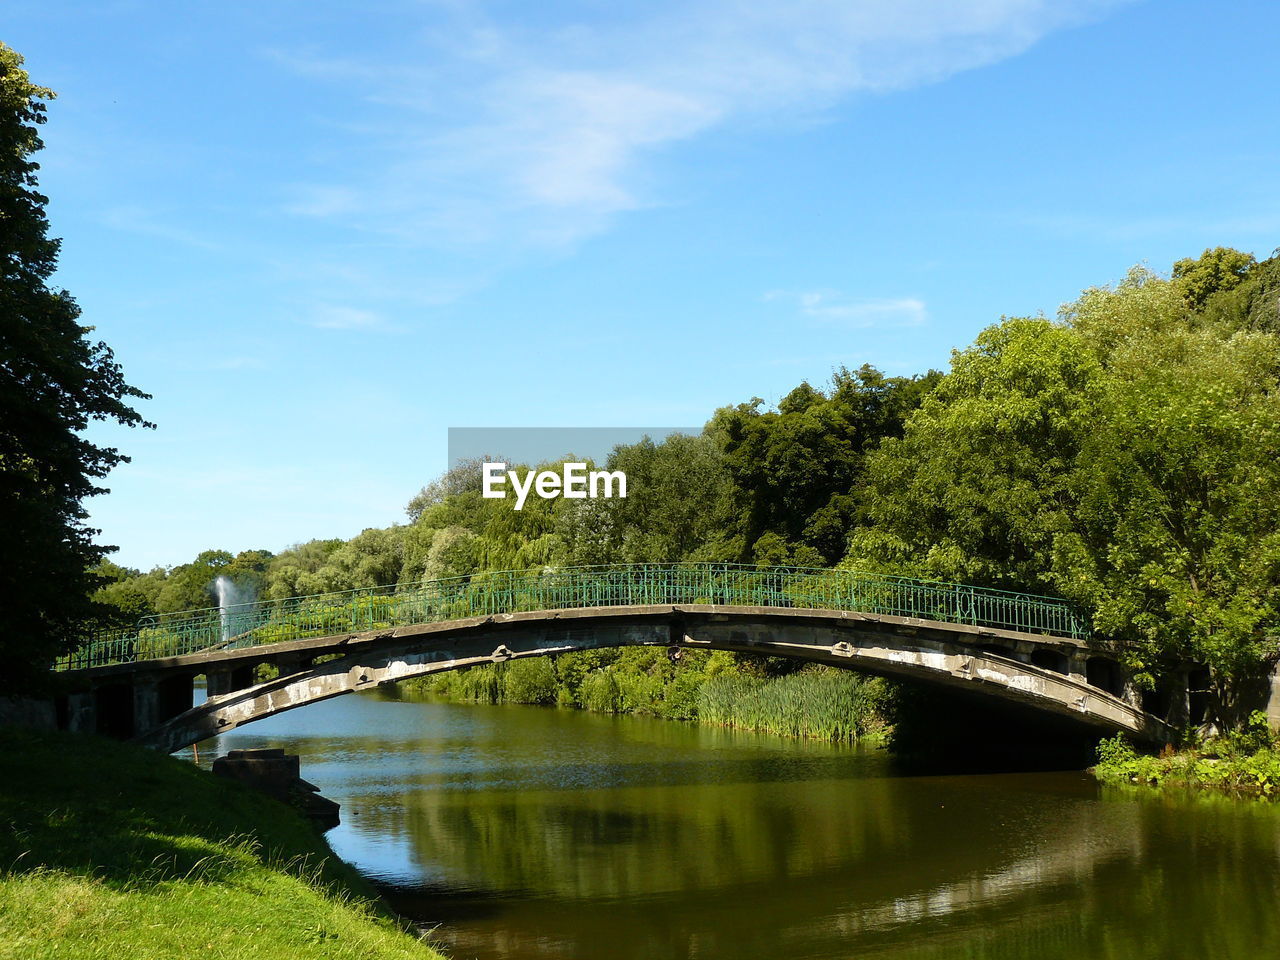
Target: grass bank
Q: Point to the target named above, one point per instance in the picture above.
(112, 851)
(1240, 765)
(765, 694)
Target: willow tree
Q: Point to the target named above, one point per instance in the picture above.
(53, 381)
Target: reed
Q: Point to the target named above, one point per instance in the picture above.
(719, 688)
(820, 703)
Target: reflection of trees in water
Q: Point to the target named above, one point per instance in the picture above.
(872, 865)
(1135, 880)
(885, 839)
(644, 841)
(728, 853)
(1099, 883)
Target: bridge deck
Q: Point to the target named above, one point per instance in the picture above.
(224, 658)
(512, 592)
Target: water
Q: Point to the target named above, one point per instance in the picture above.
(525, 833)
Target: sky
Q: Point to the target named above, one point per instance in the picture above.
(321, 234)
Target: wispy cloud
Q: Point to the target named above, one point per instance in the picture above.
(541, 133)
(331, 317)
(833, 307)
(134, 219)
(1136, 226)
(236, 363)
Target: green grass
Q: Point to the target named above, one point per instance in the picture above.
(112, 852)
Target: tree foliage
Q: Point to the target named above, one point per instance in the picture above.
(54, 380)
(677, 506)
(795, 471)
(1254, 302)
(1124, 456)
(1219, 269)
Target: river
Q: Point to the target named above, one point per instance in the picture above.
(527, 833)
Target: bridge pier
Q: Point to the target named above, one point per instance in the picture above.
(176, 695)
(146, 705)
(1171, 699)
(1271, 698)
(1078, 667)
(1179, 715)
(157, 700)
(1131, 695)
(81, 712)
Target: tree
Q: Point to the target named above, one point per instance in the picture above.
(126, 595)
(1219, 269)
(1176, 539)
(676, 506)
(53, 381)
(795, 471)
(977, 487)
(1253, 303)
(1125, 457)
(463, 477)
(372, 558)
(189, 586)
(293, 573)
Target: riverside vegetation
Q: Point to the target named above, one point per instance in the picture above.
(767, 695)
(1243, 762)
(1124, 455)
(108, 850)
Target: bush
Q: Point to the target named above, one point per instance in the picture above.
(1222, 764)
(600, 692)
(529, 681)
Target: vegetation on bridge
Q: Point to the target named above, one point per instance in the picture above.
(109, 850)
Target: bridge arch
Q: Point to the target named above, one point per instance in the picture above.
(1046, 673)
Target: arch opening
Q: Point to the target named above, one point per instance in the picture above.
(1051, 660)
(1105, 673)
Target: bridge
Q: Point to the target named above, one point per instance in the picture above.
(1030, 651)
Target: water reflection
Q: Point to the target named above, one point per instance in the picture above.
(530, 833)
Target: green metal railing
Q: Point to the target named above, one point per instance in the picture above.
(510, 591)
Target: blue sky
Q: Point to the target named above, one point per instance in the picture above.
(323, 233)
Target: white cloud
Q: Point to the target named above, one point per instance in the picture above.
(539, 133)
(833, 307)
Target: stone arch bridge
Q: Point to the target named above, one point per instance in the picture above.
(1027, 651)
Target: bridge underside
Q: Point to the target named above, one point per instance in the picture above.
(1053, 676)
